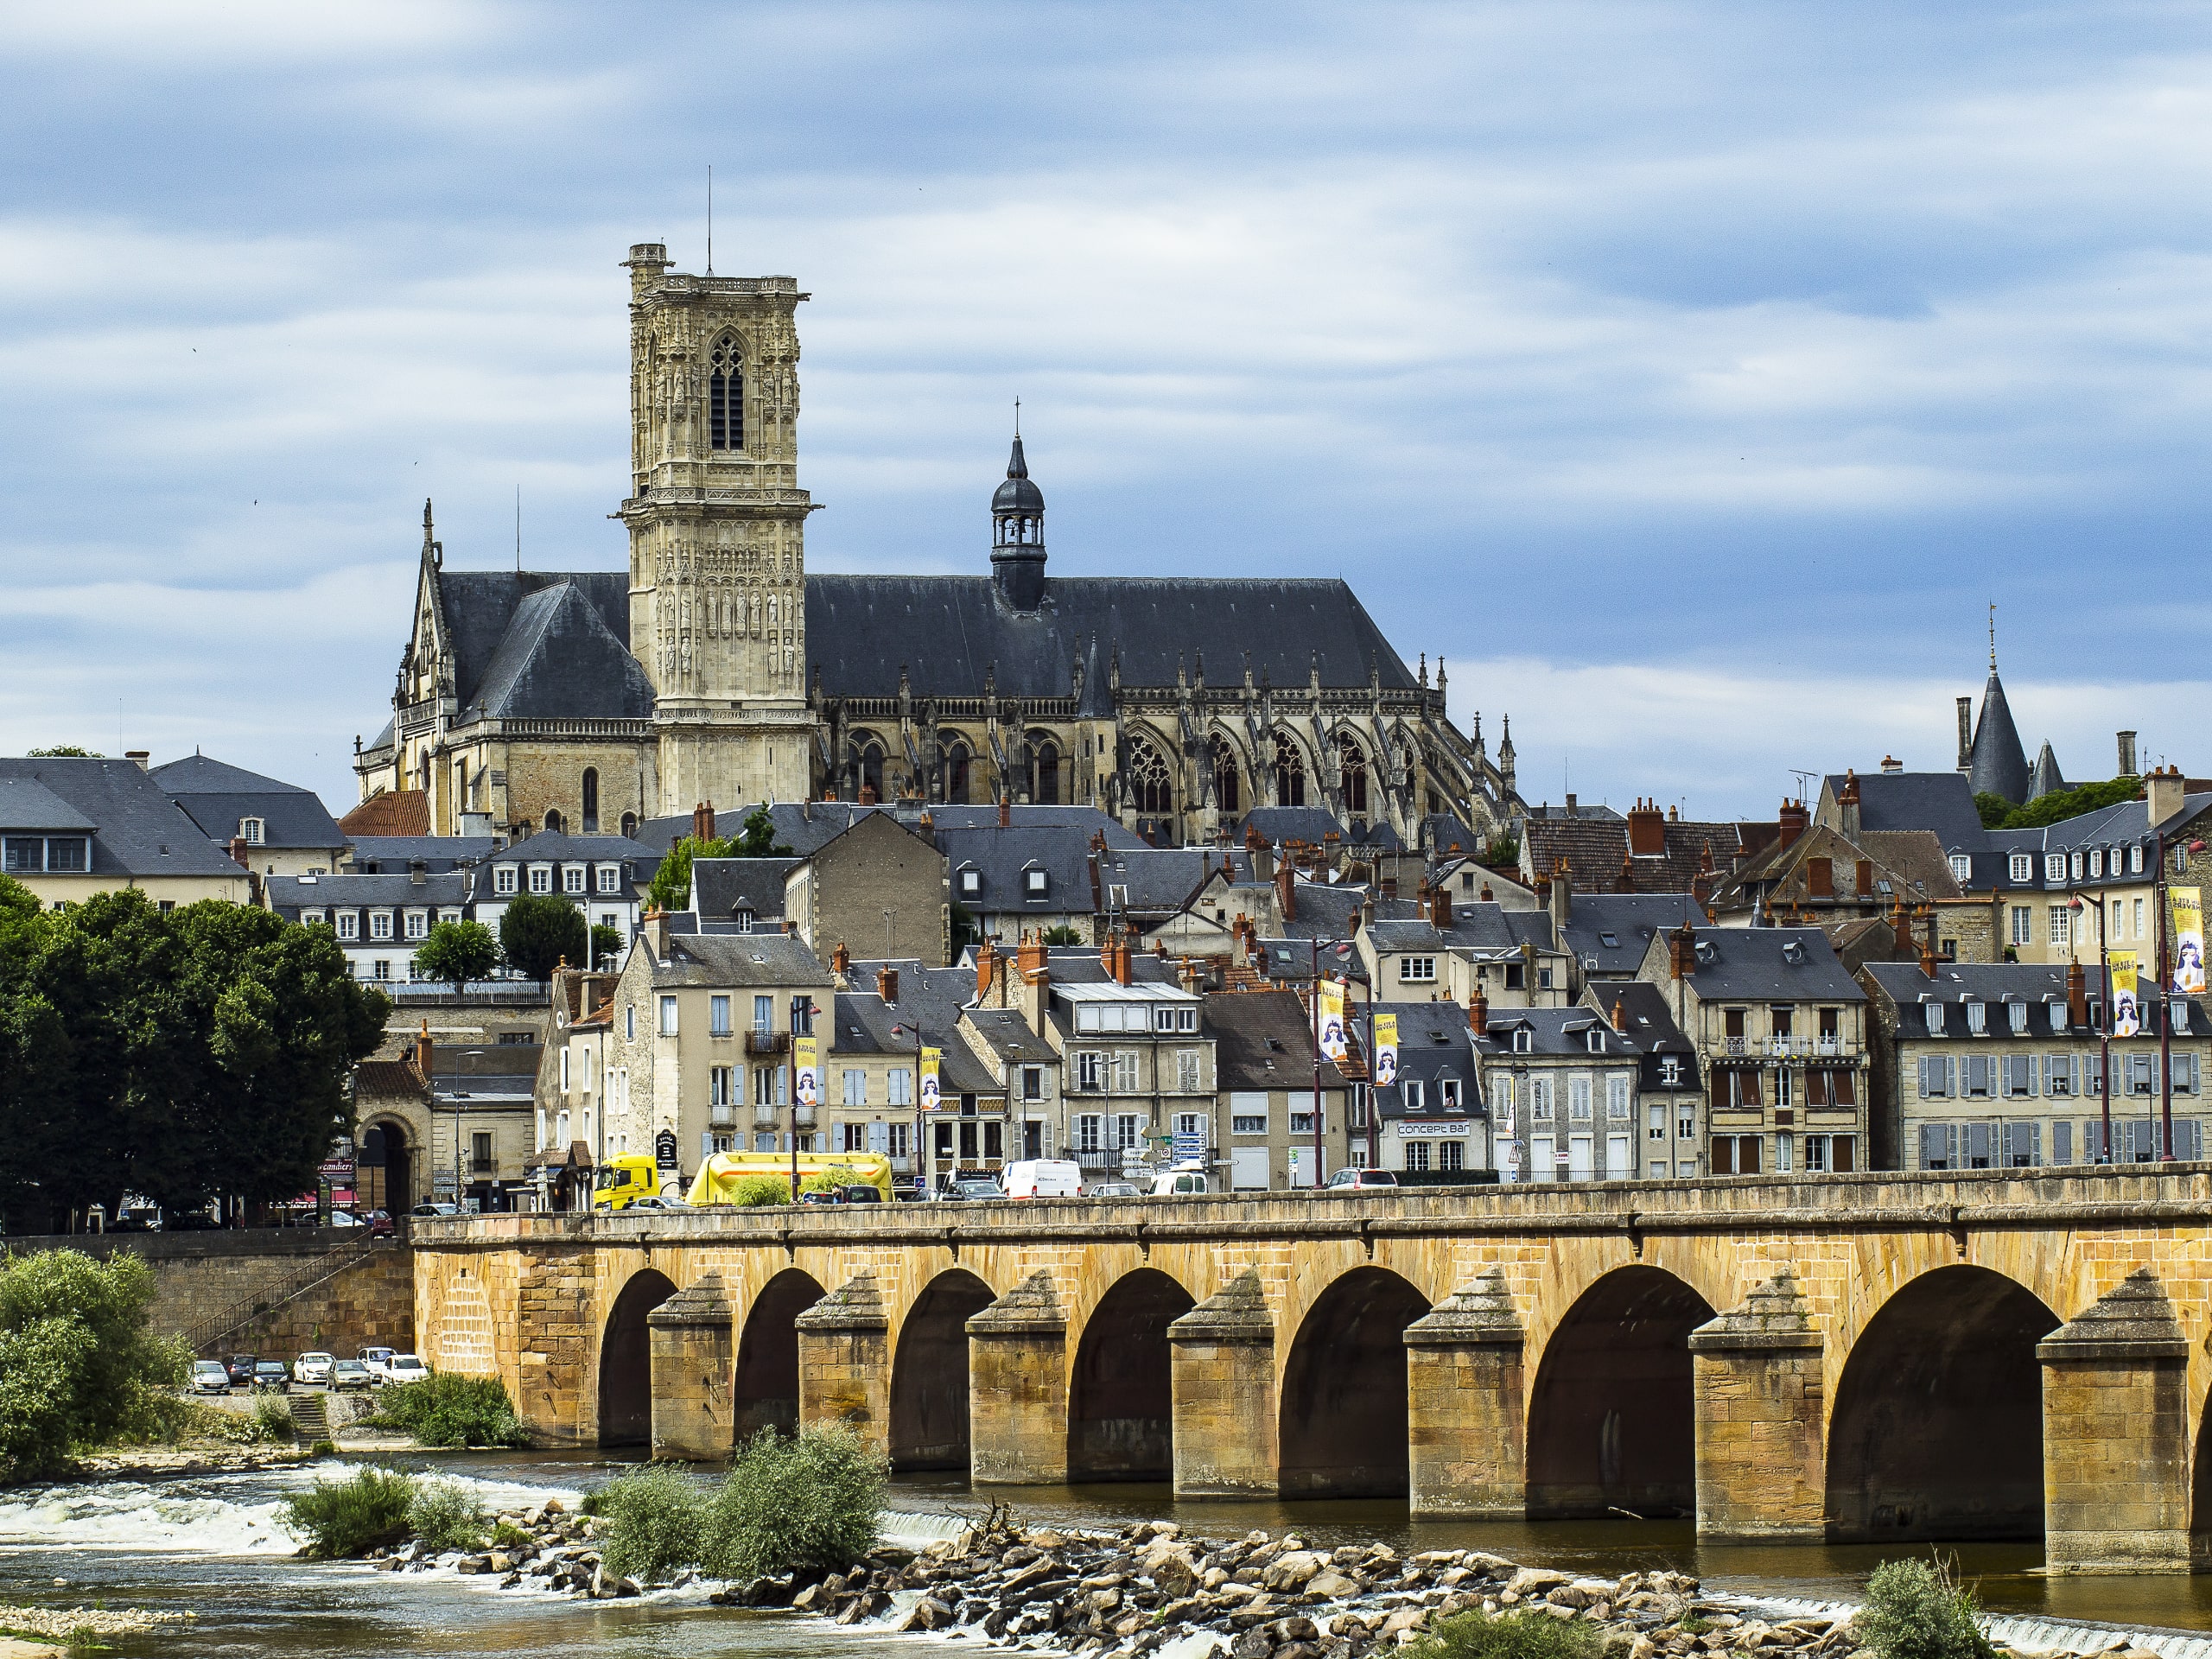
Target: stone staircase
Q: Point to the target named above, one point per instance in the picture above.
(310, 1419)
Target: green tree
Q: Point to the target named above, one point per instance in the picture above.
(2073, 803)
(1062, 934)
(457, 952)
(670, 888)
(79, 1364)
(605, 945)
(1994, 809)
(757, 837)
(66, 752)
(541, 931)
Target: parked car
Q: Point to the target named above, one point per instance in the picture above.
(435, 1209)
(381, 1225)
(374, 1359)
(348, 1373)
(860, 1192)
(210, 1376)
(1345, 1179)
(241, 1369)
(1184, 1178)
(658, 1201)
(966, 1188)
(138, 1219)
(313, 1367)
(1043, 1178)
(272, 1374)
(405, 1368)
(346, 1218)
(1112, 1190)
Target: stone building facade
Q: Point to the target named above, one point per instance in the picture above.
(716, 668)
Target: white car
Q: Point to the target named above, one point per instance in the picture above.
(313, 1367)
(375, 1359)
(404, 1367)
(1043, 1178)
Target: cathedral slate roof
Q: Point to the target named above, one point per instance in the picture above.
(949, 632)
(560, 656)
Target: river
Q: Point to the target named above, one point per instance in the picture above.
(215, 1547)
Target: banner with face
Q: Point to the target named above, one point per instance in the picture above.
(1386, 1050)
(930, 1057)
(2127, 1021)
(805, 1062)
(2189, 939)
(1331, 1000)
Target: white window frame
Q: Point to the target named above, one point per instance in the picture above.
(503, 878)
(1035, 883)
(1417, 970)
(2054, 867)
(668, 1016)
(610, 878)
(572, 878)
(2023, 866)
(541, 878)
(1961, 867)
(379, 924)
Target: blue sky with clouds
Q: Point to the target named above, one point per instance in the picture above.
(1689, 376)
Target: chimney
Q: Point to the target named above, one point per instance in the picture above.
(1647, 830)
(841, 961)
(1863, 885)
(1901, 925)
(1791, 821)
(1440, 908)
(1487, 895)
(886, 984)
(1820, 878)
(2127, 754)
(1681, 952)
(1006, 811)
(418, 872)
(423, 1052)
(143, 756)
(1628, 873)
(1928, 958)
(1570, 806)
(926, 827)
(1847, 801)
(1129, 948)
(655, 931)
(1478, 1012)
(703, 820)
(2077, 993)
(2162, 789)
(1620, 1012)
(1966, 734)
(1891, 766)
(1561, 895)
(1286, 893)
(240, 855)
(987, 962)
(867, 795)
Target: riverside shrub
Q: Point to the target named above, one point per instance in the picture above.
(352, 1517)
(652, 1522)
(789, 1504)
(1917, 1610)
(1517, 1635)
(79, 1365)
(447, 1410)
(446, 1515)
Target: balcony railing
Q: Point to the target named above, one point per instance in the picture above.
(721, 1117)
(767, 1117)
(767, 1042)
(1787, 1048)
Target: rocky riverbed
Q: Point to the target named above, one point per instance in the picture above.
(1151, 1586)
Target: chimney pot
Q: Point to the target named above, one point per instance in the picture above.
(143, 757)
(423, 1052)
(1647, 830)
(1791, 821)
(1620, 1012)
(1006, 812)
(1892, 765)
(1478, 1013)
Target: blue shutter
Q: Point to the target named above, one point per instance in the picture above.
(879, 1138)
(2061, 1143)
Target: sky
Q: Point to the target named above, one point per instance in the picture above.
(1690, 377)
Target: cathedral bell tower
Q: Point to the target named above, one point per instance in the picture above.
(717, 528)
(1018, 536)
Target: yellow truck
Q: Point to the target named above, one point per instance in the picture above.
(621, 1181)
(717, 1180)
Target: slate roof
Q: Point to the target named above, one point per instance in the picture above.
(932, 999)
(549, 848)
(395, 812)
(140, 830)
(1434, 1043)
(715, 960)
(1560, 1033)
(1942, 801)
(721, 886)
(1999, 764)
(1313, 824)
(290, 817)
(2044, 777)
(949, 632)
(807, 827)
(1648, 1024)
(2111, 828)
(288, 893)
(1757, 962)
(1487, 930)
(1262, 1040)
(1904, 986)
(1442, 834)
(1609, 932)
(1007, 1034)
(542, 645)
(373, 853)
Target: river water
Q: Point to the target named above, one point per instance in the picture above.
(215, 1547)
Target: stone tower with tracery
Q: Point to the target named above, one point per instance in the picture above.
(717, 525)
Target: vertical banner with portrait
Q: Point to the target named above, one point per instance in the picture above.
(805, 1062)
(929, 1096)
(1330, 998)
(2189, 939)
(2126, 1021)
(1386, 1051)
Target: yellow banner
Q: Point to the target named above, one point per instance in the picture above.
(930, 1097)
(1332, 1018)
(806, 1061)
(2126, 1021)
(2188, 938)
(1386, 1050)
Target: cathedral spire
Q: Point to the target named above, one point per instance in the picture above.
(434, 552)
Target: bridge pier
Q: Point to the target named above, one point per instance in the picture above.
(1762, 1469)
(844, 1362)
(690, 1340)
(1222, 1386)
(1018, 1388)
(2115, 1436)
(1465, 1385)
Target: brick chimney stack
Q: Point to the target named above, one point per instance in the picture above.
(1478, 1012)
(1901, 924)
(886, 984)
(1620, 1012)
(1792, 821)
(1440, 908)
(1891, 766)
(1561, 899)
(1128, 953)
(1286, 892)
(1647, 830)
(656, 932)
(986, 962)
(1846, 800)
(703, 820)
(240, 855)
(841, 961)
(1681, 952)
(1006, 811)
(2077, 994)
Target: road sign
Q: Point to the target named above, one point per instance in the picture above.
(1189, 1146)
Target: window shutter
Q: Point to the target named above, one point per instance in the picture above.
(1924, 1064)
(2028, 1074)
(2061, 1143)
(1931, 1145)
(1950, 1077)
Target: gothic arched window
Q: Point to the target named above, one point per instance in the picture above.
(1351, 771)
(1290, 774)
(553, 819)
(952, 758)
(1152, 789)
(629, 826)
(725, 396)
(1044, 770)
(865, 754)
(591, 800)
(1227, 791)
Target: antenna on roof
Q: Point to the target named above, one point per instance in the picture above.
(1992, 639)
(517, 530)
(710, 218)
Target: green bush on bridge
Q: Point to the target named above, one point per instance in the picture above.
(448, 1410)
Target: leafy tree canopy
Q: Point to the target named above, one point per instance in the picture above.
(1994, 809)
(605, 945)
(457, 952)
(66, 752)
(539, 931)
(78, 1363)
(671, 884)
(2065, 803)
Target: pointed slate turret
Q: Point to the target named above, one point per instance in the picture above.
(2044, 777)
(1997, 765)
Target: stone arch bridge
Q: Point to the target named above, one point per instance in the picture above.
(1891, 1357)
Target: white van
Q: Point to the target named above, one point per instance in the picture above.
(1043, 1178)
(1184, 1178)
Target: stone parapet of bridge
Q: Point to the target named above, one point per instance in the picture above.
(1884, 1357)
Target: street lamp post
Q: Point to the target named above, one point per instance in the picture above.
(2104, 1023)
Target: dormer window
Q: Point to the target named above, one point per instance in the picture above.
(2016, 1012)
(2180, 1006)
(971, 883)
(1524, 1041)
(1596, 1041)
(251, 829)
(1977, 1017)
(1032, 883)
(2022, 866)
(2096, 863)
(2054, 867)
(1935, 1018)
(609, 876)
(503, 878)
(1961, 867)
(2135, 859)
(726, 395)
(2058, 1017)
(745, 921)
(2075, 867)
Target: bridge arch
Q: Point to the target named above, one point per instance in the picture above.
(625, 1361)
(764, 1385)
(928, 1373)
(1342, 1412)
(1120, 1415)
(1938, 1428)
(1612, 1423)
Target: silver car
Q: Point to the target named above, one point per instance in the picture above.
(210, 1376)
